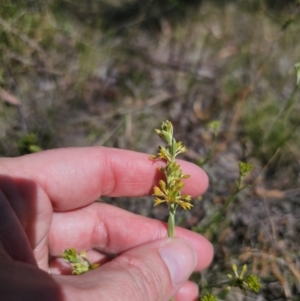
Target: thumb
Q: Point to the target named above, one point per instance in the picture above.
(152, 272)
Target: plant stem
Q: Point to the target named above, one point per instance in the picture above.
(220, 215)
(172, 207)
(169, 189)
(171, 220)
(221, 284)
(171, 225)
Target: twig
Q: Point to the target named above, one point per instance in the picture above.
(9, 98)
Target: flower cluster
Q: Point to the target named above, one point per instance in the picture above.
(80, 263)
(209, 297)
(251, 282)
(244, 168)
(169, 190)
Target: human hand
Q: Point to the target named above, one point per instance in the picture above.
(47, 205)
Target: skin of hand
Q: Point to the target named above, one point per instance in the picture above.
(47, 204)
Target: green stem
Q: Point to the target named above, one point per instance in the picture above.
(211, 152)
(221, 284)
(171, 220)
(220, 215)
(172, 207)
(171, 225)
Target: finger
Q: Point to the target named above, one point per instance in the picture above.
(29, 206)
(188, 292)
(13, 241)
(75, 177)
(151, 272)
(113, 231)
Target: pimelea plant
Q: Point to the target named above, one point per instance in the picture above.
(168, 191)
(80, 263)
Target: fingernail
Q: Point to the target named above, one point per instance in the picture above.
(180, 259)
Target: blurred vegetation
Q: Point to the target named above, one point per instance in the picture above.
(29, 144)
(107, 73)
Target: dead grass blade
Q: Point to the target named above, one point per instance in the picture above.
(9, 98)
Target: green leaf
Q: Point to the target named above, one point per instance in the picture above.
(244, 168)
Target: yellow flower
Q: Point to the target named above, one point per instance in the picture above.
(251, 282)
(171, 196)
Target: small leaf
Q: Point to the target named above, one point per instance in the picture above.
(70, 255)
(244, 168)
(214, 125)
(94, 266)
